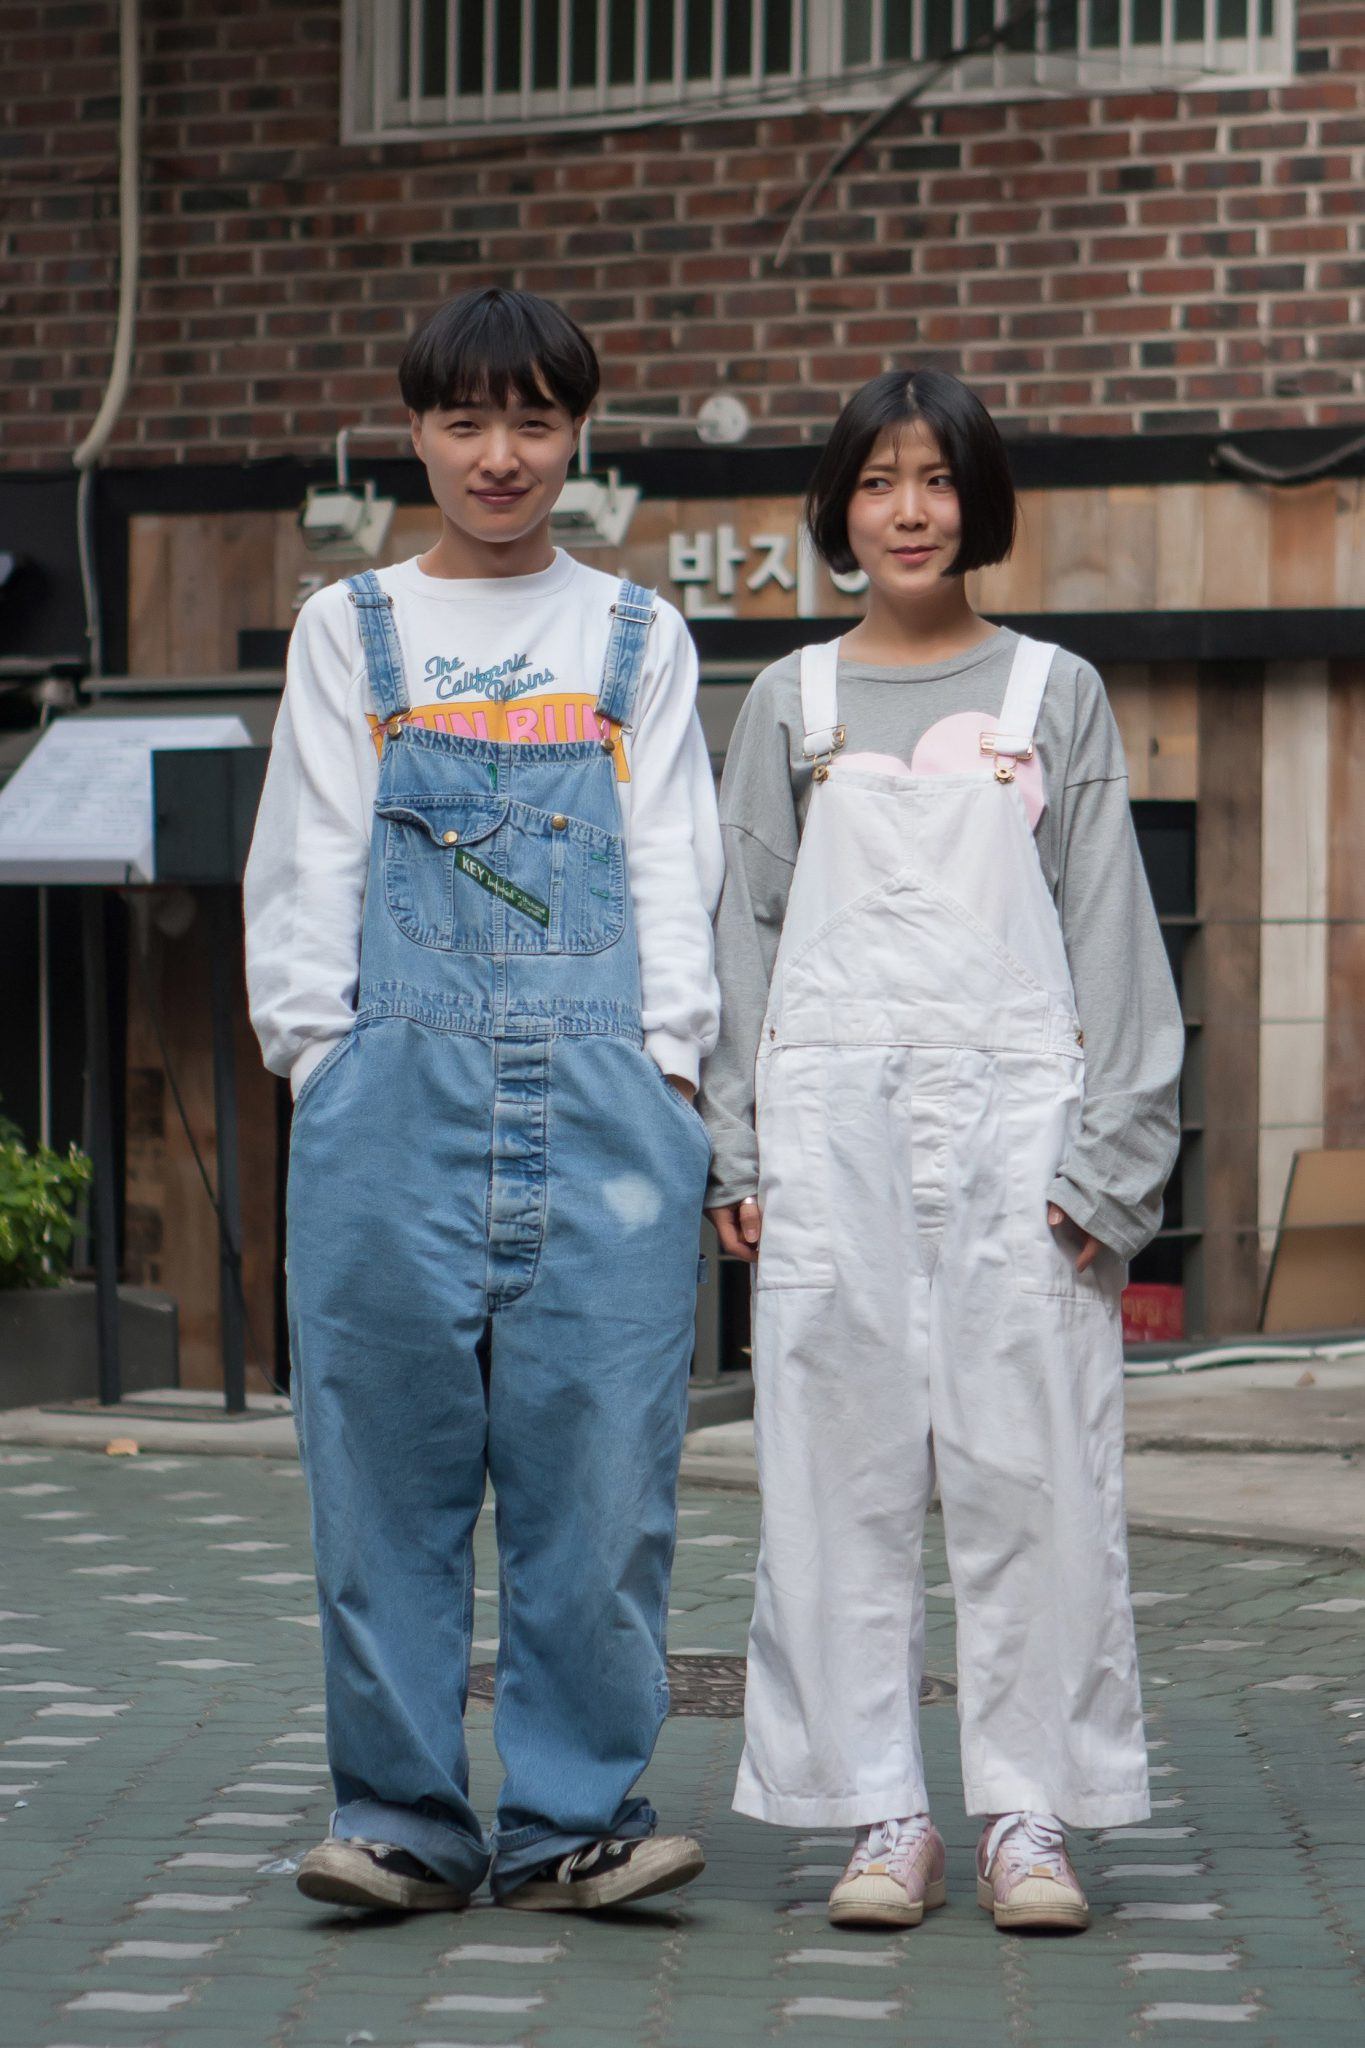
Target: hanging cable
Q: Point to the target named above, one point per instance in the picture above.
(120, 372)
(979, 45)
(1228, 456)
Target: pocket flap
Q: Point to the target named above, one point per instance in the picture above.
(468, 818)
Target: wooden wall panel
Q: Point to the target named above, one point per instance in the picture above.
(196, 580)
(1236, 547)
(1344, 1086)
(1302, 542)
(1294, 830)
(1131, 550)
(172, 1235)
(1180, 548)
(1349, 551)
(1223, 1276)
(1157, 713)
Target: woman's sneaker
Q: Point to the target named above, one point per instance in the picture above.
(609, 1873)
(1024, 1876)
(377, 1875)
(895, 1875)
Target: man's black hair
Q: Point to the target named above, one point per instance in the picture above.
(488, 345)
(968, 440)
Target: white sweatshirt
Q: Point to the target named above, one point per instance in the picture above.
(516, 658)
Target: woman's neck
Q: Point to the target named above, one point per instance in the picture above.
(934, 628)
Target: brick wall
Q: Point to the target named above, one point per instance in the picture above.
(1145, 261)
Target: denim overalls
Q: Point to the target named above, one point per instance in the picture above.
(492, 1250)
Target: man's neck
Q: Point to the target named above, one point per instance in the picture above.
(459, 556)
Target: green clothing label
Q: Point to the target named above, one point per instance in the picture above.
(507, 892)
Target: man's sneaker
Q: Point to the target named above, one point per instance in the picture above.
(1024, 1875)
(895, 1875)
(609, 1873)
(377, 1875)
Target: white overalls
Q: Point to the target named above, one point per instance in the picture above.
(919, 1079)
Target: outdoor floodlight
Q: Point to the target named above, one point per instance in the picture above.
(595, 513)
(338, 520)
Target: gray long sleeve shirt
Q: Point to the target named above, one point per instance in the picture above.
(1111, 1182)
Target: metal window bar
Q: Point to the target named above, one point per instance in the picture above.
(407, 62)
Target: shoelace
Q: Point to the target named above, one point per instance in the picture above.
(1029, 1841)
(892, 1842)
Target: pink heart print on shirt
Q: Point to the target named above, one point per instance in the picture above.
(953, 747)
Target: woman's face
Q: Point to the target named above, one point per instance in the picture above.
(904, 519)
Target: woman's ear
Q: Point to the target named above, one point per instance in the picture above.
(415, 420)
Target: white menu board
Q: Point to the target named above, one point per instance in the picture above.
(79, 807)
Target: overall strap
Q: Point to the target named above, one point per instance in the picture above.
(823, 734)
(631, 618)
(1023, 700)
(379, 644)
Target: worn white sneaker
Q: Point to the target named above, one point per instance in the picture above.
(611, 1872)
(894, 1876)
(376, 1875)
(1024, 1876)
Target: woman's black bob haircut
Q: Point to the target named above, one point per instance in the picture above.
(969, 442)
(488, 345)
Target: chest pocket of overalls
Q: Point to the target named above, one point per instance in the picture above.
(482, 874)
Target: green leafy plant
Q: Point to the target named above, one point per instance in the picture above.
(39, 1190)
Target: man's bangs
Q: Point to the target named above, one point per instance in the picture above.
(499, 348)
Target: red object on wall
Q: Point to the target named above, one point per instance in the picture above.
(1153, 1314)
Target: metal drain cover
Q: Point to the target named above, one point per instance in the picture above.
(710, 1688)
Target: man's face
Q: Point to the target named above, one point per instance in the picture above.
(496, 471)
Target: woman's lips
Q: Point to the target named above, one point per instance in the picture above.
(499, 497)
(913, 554)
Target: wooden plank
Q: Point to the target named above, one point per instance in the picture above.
(1303, 545)
(1293, 937)
(1349, 545)
(1131, 519)
(1180, 546)
(1223, 1275)
(1156, 710)
(1016, 584)
(1075, 539)
(195, 598)
(1344, 1088)
(1236, 546)
(149, 595)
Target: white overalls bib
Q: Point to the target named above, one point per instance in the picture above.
(919, 1079)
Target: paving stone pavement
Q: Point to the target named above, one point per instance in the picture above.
(162, 1761)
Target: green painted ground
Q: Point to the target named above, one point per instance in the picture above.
(161, 1755)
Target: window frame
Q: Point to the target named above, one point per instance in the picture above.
(372, 107)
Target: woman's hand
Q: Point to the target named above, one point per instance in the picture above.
(1074, 1235)
(738, 1225)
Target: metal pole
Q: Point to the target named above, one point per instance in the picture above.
(224, 939)
(101, 1091)
(44, 1020)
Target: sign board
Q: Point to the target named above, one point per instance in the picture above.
(1317, 1273)
(79, 807)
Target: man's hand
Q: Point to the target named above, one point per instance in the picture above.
(1073, 1235)
(687, 1089)
(738, 1225)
